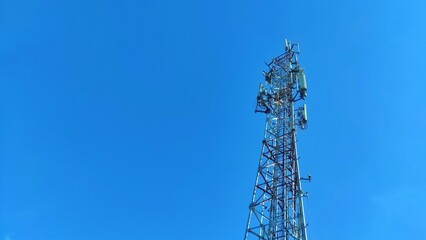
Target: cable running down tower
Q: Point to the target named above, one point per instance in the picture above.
(276, 209)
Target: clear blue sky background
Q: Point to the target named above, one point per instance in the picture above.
(134, 119)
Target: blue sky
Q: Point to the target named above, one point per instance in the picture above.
(135, 119)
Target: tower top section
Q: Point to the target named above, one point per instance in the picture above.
(285, 82)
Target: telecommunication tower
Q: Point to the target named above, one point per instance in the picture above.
(276, 209)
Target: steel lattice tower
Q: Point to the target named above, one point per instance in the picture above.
(276, 209)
